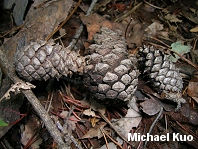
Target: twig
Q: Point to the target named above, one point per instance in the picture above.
(112, 139)
(83, 131)
(128, 13)
(153, 124)
(183, 58)
(125, 34)
(79, 31)
(160, 42)
(152, 5)
(106, 142)
(41, 4)
(192, 51)
(187, 130)
(67, 136)
(64, 21)
(14, 29)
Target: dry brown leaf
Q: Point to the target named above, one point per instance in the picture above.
(16, 89)
(150, 106)
(195, 29)
(132, 119)
(95, 132)
(94, 121)
(192, 88)
(97, 107)
(29, 132)
(196, 99)
(135, 38)
(89, 112)
(154, 28)
(172, 18)
(124, 125)
(93, 23)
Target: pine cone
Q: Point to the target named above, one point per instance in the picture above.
(110, 74)
(161, 74)
(42, 60)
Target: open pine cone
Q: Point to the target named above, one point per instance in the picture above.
(111, 74)
(41, 60)
(161, 73)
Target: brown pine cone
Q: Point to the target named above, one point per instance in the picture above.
(111, 74)
(161, 74)
(41, 60)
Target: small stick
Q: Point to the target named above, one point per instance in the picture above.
(160, 42)
(183, 58)
(111, 139)
(152, 5)
(192, 51)
(187, 130)
(14, 29)
(128, 13)
(153, 124)
(104, 138)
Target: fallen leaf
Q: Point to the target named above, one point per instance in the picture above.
(95, 132)
(16, 89)
(93, 23)
(172, 18)
(131, 119)
(29, 132)
(150, 106)
(89, 112)
(154, 28)
(179, 48)
(195, 29)
(121, 6)
(192, 87)
(2, 123)
(94, 121)
(97, 106)
(195, 99)
(135, 38)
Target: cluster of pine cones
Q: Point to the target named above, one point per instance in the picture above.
(110, 72)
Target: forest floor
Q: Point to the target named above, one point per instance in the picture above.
(59, 112)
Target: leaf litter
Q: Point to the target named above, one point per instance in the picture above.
(173, 25)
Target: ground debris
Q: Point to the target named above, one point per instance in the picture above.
(83, 123)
